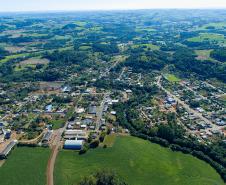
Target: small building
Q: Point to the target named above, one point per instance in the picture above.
(73, 144)
(113, 112)
(80, 110)
(4, 154)
(129, 91)
(66, 89)
(7, 134)
(49, 108)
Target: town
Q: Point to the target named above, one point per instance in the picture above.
(139, 93)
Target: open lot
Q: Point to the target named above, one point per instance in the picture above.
(34, 61)
(172, 78)
(57, 123)
(109, 140)
(25, 166)
(146, 46)
(138, 162)
(204, 55)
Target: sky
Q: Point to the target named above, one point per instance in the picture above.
(44, 5)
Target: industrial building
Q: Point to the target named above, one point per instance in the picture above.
(4, 154)
(46, 138)
(73, 144)
(75, 134)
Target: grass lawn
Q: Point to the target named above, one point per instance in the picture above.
(25, 166)
(138, 162)
(172, 78)
(109, 140)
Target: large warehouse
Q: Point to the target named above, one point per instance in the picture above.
(73, 144)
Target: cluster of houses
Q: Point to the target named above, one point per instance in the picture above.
(127, 76)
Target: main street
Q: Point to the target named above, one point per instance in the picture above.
(100, 111)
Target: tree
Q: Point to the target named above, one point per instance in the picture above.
(166, 132)
(103, 177)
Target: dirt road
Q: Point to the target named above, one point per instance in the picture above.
(56, 144)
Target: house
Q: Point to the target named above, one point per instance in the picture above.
(113, 112)
(128, 91)
(1, 125)
(66, 89)
(7, 134)
(49, 108)
(7, 150)
(80, 110)
(73, 144)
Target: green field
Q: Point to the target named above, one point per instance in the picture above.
(218, 25)
(211, 37)
(172, 78)
(25, 166)
(80, 23)
(85, 47)
(7, 58)
(146, 46)
(138, 162)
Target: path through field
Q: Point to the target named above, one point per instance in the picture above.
(55, 149)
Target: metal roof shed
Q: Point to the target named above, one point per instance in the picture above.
(8, 149)
(73, 144)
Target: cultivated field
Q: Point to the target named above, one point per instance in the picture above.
(25, 166)
(138, 162)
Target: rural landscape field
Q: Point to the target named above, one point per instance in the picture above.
(138, 162)
(131, 96)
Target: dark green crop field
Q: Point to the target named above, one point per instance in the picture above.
(138, 162)
(25, 166)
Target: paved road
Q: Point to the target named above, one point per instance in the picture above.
(108, 69)
(187, 107)
(101, 111)
(56, 144)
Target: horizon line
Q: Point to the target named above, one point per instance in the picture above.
(119, 9)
